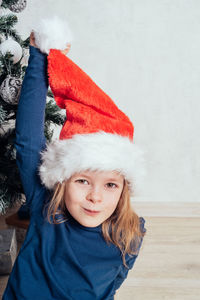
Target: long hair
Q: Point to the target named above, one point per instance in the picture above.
(122, 228)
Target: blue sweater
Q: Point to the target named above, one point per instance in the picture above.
(64, 261)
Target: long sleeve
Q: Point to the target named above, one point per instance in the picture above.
(130, 260)
(124, 272)
(30, 138)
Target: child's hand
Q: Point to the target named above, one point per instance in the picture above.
(32, 39)
(32, 43)
(66, 50)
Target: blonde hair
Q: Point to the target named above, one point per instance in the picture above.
(122, 228)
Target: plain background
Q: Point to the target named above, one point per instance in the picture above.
(145, 56)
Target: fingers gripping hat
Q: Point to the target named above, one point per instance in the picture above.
(96, 134)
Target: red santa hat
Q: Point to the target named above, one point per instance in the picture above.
(97, 135)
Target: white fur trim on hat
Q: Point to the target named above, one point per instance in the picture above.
(51, 33)
(95, 151)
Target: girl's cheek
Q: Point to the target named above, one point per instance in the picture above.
(79, 194)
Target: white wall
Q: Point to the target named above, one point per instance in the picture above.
(145, 55)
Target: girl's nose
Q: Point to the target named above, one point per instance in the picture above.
(94, 196)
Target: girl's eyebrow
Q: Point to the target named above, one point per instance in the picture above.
(107, 179)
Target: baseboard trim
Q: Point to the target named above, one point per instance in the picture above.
(169, 209)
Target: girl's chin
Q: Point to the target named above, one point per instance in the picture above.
(90, 222)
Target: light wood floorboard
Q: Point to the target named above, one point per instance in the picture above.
(168, 266)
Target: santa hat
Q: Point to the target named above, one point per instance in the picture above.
(97, 135)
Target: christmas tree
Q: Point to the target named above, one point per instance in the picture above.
(13, 62)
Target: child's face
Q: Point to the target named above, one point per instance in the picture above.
(91, 197)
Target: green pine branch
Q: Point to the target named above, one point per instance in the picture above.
(52, 116)
(10, 183)
(2, 115)
(7, 3)
(7, 23)
(52, 113)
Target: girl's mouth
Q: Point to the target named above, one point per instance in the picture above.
(91, 212)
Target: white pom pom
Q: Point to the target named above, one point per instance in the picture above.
(52, 33)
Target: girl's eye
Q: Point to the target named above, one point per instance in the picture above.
(82, 181)
(111, 185)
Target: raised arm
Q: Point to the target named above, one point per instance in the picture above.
(30, 138)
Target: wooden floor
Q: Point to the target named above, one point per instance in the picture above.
(168, 266)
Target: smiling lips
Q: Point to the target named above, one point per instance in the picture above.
(91, 212)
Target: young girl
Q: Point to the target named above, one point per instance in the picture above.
(83, 236)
